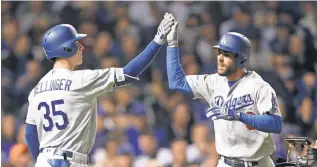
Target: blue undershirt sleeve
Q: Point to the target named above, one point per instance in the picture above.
(136, 66)
(176, 76)
(265, 123)
(32, 140)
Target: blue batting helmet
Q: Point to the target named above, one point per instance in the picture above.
(238, 44)
(59, 41)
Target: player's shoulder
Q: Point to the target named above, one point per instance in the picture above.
(256, 78)
(32, 93)
(258, 81)
(203, 77)
(91, 72)
(218, 78)
(211, 76)
(215, 78)
(89, 75)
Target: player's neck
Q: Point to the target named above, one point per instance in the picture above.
(63, 63)
(237, 75)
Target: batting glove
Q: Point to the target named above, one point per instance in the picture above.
(172, 36)
(163, 29)
(223, 113)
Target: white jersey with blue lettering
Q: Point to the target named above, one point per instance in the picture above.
(63, 106)
(252, 95)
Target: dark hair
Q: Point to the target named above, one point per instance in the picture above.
(53, 59)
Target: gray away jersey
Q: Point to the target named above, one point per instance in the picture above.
(63, 106)
(252, 95)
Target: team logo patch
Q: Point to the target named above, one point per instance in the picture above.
(223, 40)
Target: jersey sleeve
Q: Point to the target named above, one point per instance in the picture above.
(31, 113)
(201, 85)
(266, 101)
(97, 82)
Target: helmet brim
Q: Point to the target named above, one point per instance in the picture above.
(216, 47)
(80, 36)
(225, 48)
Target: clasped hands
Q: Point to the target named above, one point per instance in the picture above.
(167, 31)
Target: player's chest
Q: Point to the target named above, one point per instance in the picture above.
(238, 97)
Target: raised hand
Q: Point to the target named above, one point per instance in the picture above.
(172, 36)
(163, 29)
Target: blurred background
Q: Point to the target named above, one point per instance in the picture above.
(145, 124)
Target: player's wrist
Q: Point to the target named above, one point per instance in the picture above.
(173, 46)
(158, 40)
(172, 43)
(234, 113)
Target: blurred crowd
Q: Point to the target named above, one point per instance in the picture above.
(145, 124)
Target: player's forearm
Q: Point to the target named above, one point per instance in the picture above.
(264, 123)
(176, 76)
(32, 140)
(136, 66)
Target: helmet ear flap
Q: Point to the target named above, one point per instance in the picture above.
(69, 49)
(243, 61)
(240, 60)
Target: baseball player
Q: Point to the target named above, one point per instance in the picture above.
(61, 119)
(243, 106)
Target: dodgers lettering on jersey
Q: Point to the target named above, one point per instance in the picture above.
(234, 103)
(251, 95)
(63, 106)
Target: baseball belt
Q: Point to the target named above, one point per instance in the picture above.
(234, 162)
(67, 154)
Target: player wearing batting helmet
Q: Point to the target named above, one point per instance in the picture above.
(243, 106)
(61, 118)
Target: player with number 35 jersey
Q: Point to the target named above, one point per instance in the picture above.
(61, 119)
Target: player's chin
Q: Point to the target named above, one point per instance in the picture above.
(80, 62)
(222, 72)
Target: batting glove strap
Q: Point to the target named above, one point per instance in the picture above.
(172, 43)
(232, 113)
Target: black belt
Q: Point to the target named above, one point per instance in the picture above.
(64, 153)
(234, 162)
